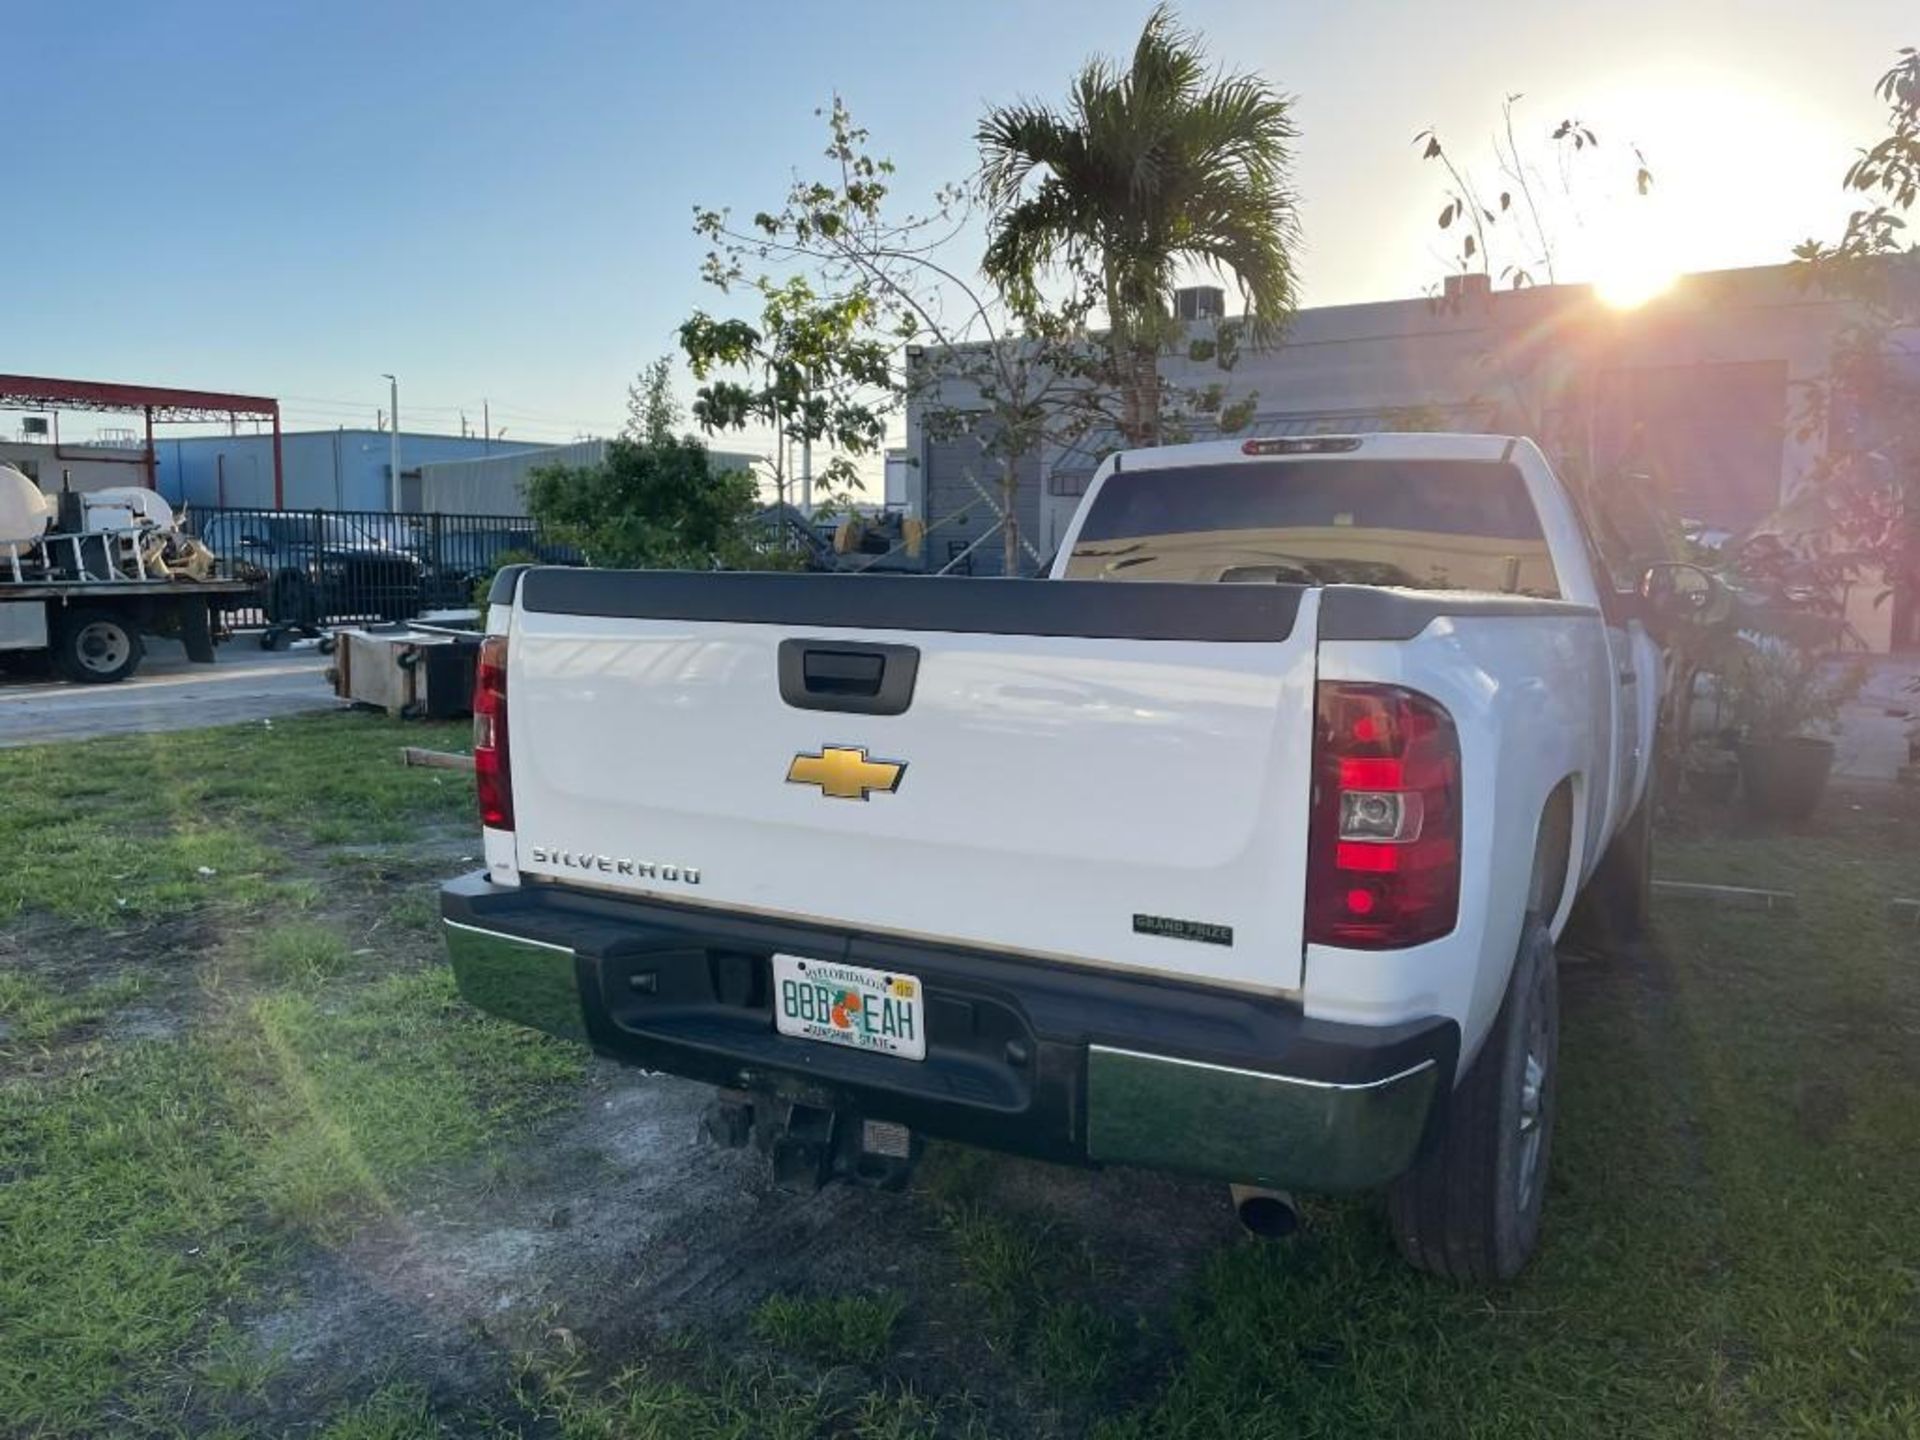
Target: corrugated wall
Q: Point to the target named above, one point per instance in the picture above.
(948, 464)
(493, 486)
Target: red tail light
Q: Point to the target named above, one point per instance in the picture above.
(492, 768)
(1383, 860)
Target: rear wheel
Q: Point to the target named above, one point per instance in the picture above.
(96, 647)
(1470, 1208)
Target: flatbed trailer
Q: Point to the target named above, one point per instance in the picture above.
(94, 629)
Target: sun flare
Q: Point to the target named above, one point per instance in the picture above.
(1741, 169)
(1631, 276)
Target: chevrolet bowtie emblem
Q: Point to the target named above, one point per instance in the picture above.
(845, 773)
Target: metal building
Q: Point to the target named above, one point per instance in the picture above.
(321, 469)
(495, 485)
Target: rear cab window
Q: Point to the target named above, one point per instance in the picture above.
(1422, 524)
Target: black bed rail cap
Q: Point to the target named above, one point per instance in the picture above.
(1091, 609)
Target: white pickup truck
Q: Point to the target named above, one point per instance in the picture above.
(1250, 867)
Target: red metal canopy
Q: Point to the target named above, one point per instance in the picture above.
(161, 404)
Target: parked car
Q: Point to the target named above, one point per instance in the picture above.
(455, 559)
(315, 569)
(1238, 847)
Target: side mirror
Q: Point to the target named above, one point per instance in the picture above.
(1676, 591)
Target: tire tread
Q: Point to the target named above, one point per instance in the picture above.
(1445, 1211)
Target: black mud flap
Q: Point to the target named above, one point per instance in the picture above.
(196, 631)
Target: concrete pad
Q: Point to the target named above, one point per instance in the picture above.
(1871, 740)
(169, 693)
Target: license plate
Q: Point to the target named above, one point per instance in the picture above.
(839, 1004)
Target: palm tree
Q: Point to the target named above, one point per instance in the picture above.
(1148, 168)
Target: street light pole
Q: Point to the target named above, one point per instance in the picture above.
(393, 443)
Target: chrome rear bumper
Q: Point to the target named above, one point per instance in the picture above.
(1251, 1126)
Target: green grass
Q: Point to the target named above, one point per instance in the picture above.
(1076, 1348)
(35, 1012)
(318, 1076)
(834, 1329)
(403, 1077)
(1730, 1246)
(716, 1404)
(300, 951)
(701, 1397)
(1005, 1259)
(393, 1412)
(158, 1185)
(234, 1364)
(162, 824)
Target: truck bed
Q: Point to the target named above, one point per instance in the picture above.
(117, 589)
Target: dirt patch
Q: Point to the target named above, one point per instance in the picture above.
(145, 979)
(614, 1223)
(617, 1230)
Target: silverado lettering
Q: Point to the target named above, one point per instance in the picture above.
(613, 865)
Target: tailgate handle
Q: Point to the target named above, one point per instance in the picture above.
(842, 672)
(843, 675)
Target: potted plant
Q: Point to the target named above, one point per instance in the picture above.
(1712, 769)
(1784, 704)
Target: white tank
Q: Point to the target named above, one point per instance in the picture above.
(24, 513)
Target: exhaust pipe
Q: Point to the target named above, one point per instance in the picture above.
(1268, 1214)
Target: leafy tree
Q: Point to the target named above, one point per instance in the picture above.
(652, 506)
(1146, 169)
(1017, 376)
(653, 414)
(1859, 509)
(816, 369)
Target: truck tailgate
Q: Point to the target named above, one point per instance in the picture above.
(1108, 774)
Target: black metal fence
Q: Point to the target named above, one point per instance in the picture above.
(316, 568)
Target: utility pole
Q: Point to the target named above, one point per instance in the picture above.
(486, 425)
(393, 444)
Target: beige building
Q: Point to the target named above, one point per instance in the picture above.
(82, 467)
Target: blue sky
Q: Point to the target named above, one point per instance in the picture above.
(493, 199)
